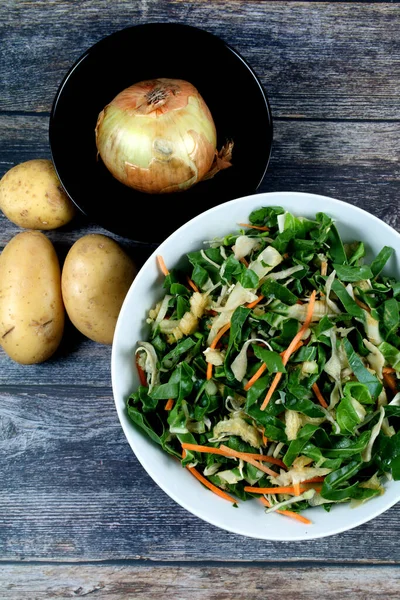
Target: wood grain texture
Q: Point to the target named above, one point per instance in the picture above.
(197, 583)
(358, 162)
(355, 162)
(72, 490)
(324, 60)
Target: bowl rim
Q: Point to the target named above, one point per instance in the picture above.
(263, 199)
(107, 39)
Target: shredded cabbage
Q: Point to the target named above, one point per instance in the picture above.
(246, 370)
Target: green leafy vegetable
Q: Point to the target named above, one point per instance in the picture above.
(363, 375)
(256, 396)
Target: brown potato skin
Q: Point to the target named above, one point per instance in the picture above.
(32, 313)
(96, 277)
(32, 197)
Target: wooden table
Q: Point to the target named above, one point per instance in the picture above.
(78, 514)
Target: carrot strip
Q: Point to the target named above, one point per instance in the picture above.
(265, 458)
(219, 335)
(290, 349)
(303, 328)
(256, 376)
(252, 304)
(265, 441)
(208, 484)
(213, 345)
(244, 261)
(390, 381)
(209, 371)
(161, 264)
(192, 284)
(296, 487)
(169, 405)
(221, 451)
(271, 390)
(251, 461)
(310, 486)
(261, 370)
(260, 227)
(283, 489)
(288, 513)
(320, 397)
(299, 345)
(142, 375)
(388, 370)
(361, 304)
(200, 448)
(316, 479)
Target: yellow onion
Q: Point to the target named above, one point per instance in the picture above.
(158, 136)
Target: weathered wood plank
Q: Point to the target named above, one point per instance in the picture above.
(314, 59)
(23, 582)
(357, 162)
(72, 490)
(78, 360)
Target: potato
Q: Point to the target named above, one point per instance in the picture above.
(96, 276)
(32, 313)
(31, 196)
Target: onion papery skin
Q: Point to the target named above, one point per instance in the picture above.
(157, 136)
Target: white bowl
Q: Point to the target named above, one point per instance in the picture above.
(249, 519)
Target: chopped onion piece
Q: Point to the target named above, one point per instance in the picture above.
(198, 303)
(358, 407)
(335, 396)
(328, 286)
(285, 273)
(305, 496)
(372, 328)
(367, 452)
(277, 449)
(375, 358)
(150, 365)
(240, 427)
(239, 365)
(163, 310)
(299, 473)
(267, 260)
(212, 469)
(349, 290)
(281, 221)
(229, 477)
(238, 296)
(299, 311)
(333, 366)
(210, 387)
(214, 356)
(244, 245)
(292, 424)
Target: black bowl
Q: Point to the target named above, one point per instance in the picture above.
(230, 88)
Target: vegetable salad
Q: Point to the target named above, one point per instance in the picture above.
(271, 369)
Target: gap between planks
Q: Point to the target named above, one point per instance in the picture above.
(141, 562)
